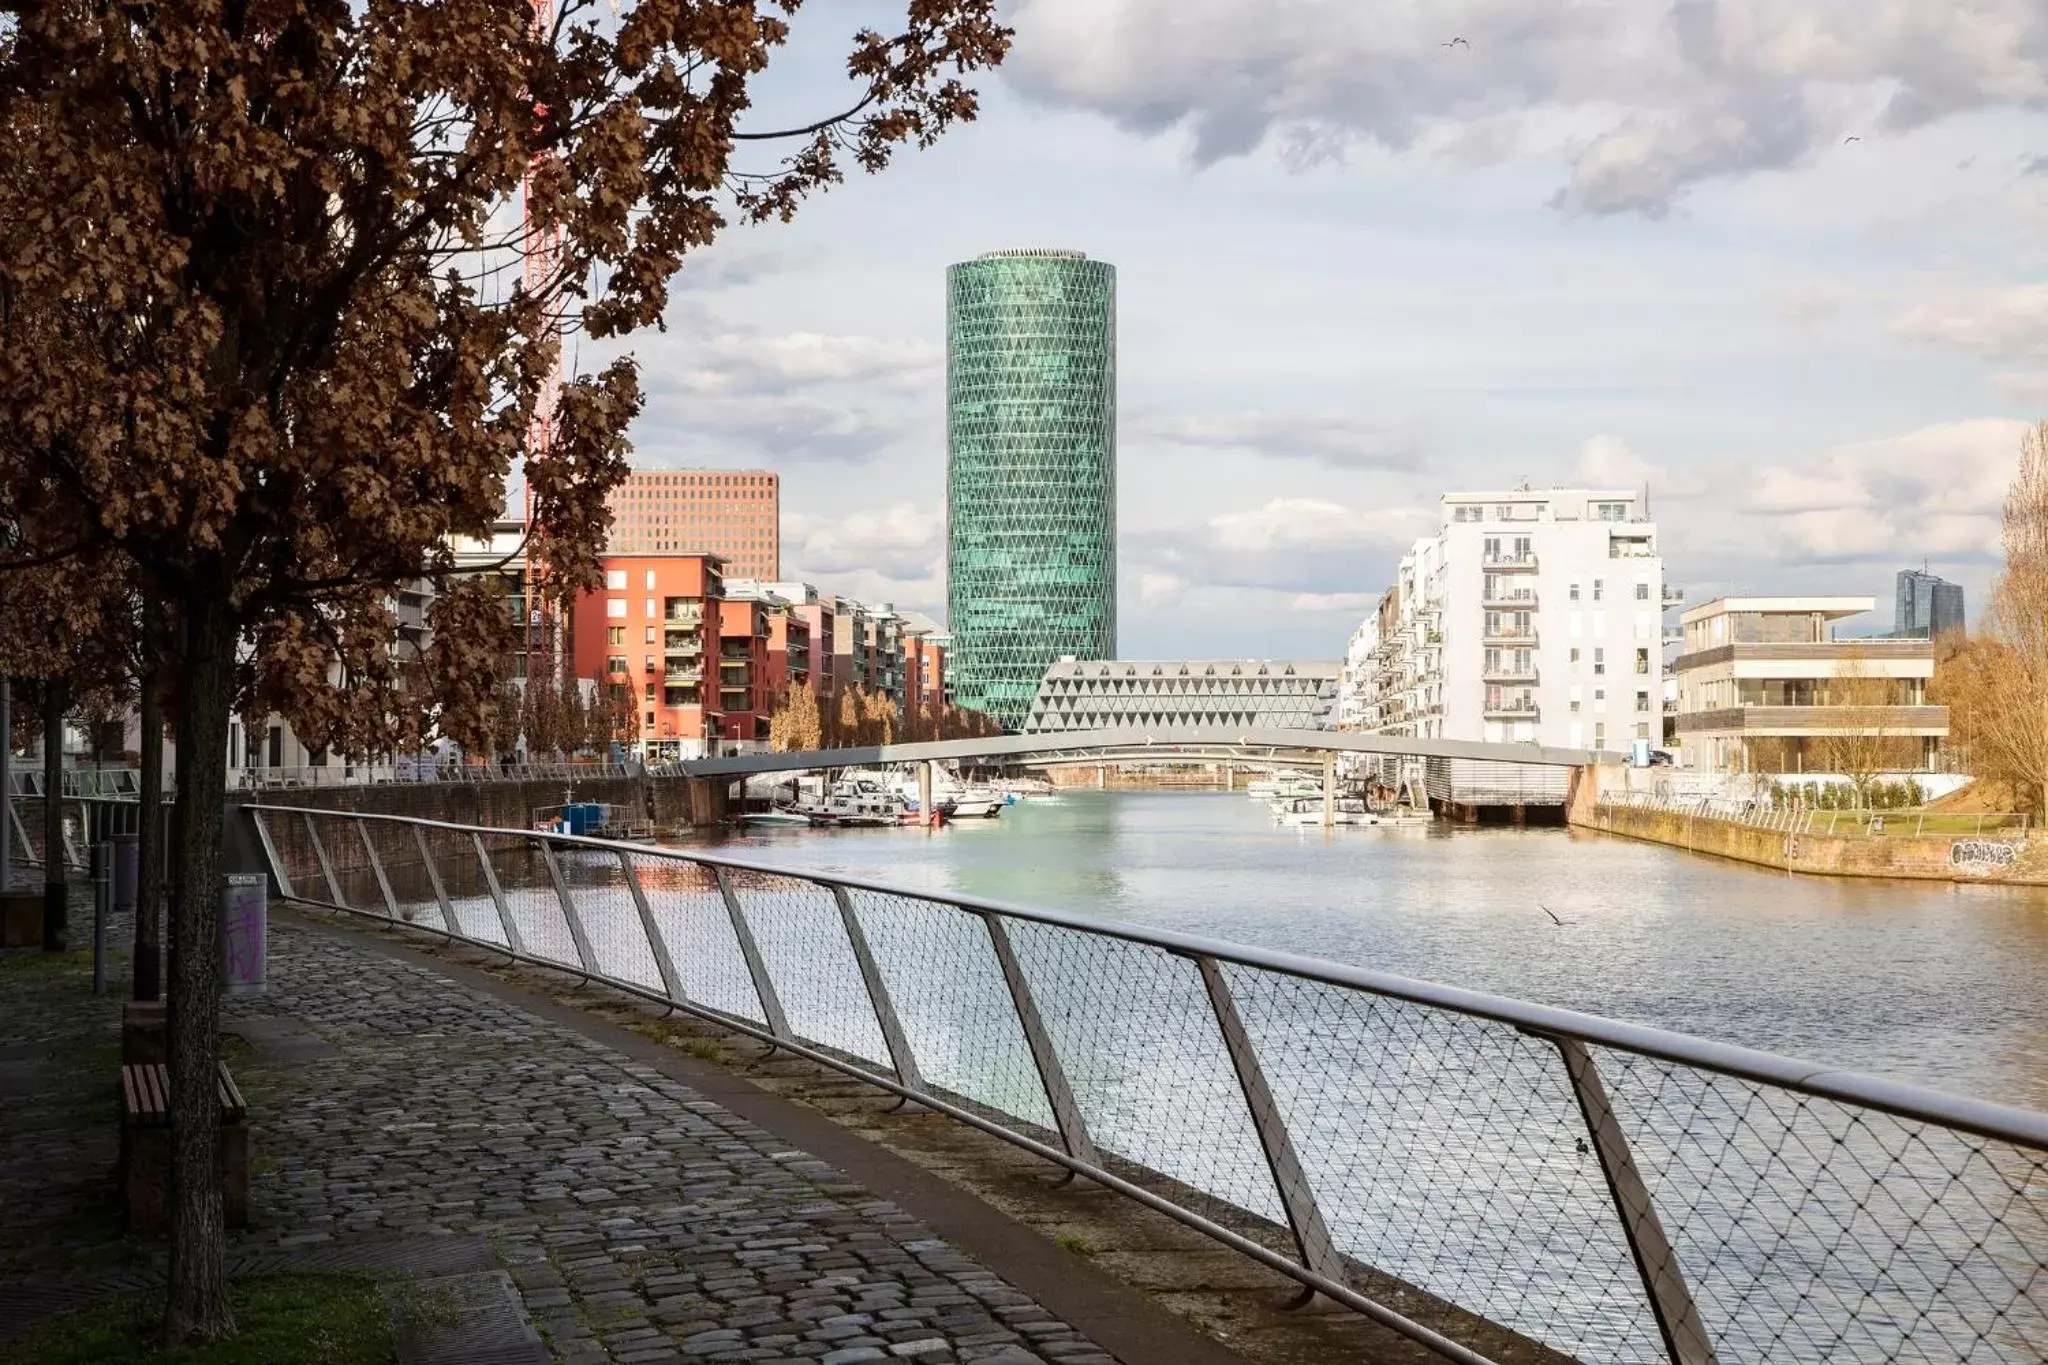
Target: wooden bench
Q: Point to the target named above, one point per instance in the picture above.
(146, 1147)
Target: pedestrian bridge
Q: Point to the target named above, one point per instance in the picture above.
(1201, 743)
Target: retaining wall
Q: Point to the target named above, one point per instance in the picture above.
(2010, 859)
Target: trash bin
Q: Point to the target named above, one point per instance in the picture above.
(127, 870)
(244, 926)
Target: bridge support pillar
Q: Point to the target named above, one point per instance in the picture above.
(925, 814)
(1101, 776)
(706, 800)
(1230, 777)
(1329, 788)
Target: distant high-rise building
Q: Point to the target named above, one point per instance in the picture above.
(735, 514)
(1928, 605)
(1031, 471)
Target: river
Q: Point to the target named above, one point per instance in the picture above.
(1942, 984)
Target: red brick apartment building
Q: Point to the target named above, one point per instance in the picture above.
(650, 635)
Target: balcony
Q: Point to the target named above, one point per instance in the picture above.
(1519, 636)
(1673, 595)
(1511, 708)
(683, 673)
(682, 642)
(1525, 562)
(1509, 672)
(1520, 599)
(1620, 548)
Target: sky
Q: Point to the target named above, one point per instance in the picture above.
(1782, 262)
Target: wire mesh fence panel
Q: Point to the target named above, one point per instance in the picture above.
(1815, 1230)
(405, 872)
(611, 921)
(451, 857)
(341, 838)
(1449, 1151)
(810, 959)
(948, 988)
(1141, 1047)
(530, 898)
(690, 912)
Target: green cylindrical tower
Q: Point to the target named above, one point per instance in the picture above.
(1030, 471)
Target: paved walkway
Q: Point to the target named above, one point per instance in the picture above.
(639, 1220)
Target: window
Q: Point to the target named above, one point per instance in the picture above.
(615, 635)
(650, 606)
(1575, 656)
(650, 717)
(1642, 592)
(1599, 662)
(616, 664)
(1598, 585)
(1465, 514)
(650, 635)
(650, 573)
(615, 607)
(1642, 729)
(1599, 696)
(1642, 701)
(650, 697)
(1599, 735)
(1643, 661)
(1609, 511)
(1574, 594)
(1575, 706)
(615, 579)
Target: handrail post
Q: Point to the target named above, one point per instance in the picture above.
(326, 864)
(1304, 1217)
(656, 944)
(377, 868)
(448, 920)
(1671, 1302)
(569, 914)
(277, 872)
(757, 966)
(513, 941)
(1052, 1075)
(900, 1055)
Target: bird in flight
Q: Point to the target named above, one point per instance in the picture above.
(1852, 138)
(1456, 42)
(1552, 913)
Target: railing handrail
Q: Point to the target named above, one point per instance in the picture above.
(1906, 1099)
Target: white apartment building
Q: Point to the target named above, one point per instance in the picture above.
(1531, 616)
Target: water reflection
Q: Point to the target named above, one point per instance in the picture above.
(1938, 983)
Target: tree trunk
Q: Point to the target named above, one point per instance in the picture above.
(197, 1308)
(56, 892)
(149, 851)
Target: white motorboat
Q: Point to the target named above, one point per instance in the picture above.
(778, 818)
(958, 802)
(863, 802)
(1345, 810)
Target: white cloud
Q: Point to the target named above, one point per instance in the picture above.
(2001, 324)
(1314, 525)
(1352, 603)
(750, 362)
(903, 542)
(1936, 491)
(1161, 589)
(2023, 387)
(1642, 100)
(1332, 439)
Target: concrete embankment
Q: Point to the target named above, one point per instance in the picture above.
(2003, 858)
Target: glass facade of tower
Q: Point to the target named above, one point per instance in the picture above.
(1030, 471)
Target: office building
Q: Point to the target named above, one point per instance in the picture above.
(1246, 694)
(735, 514)
(1031, 471)
(1765, 686)
(1927, 607)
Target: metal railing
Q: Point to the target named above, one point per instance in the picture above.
(1761, 814)
(1474, 1172)
(339, 774)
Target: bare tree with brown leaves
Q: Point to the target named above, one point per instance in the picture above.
(1995, 681)
(255, 341)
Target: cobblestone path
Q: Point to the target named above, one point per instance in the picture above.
(640, 1221)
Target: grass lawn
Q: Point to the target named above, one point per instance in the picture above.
(315, 1319)
(1932, 824)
